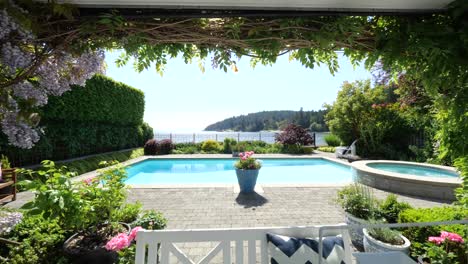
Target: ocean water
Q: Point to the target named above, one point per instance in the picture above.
(267, 136)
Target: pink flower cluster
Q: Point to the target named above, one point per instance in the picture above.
(122, 240)
(245, 155)
(444, 235)
(89, 181)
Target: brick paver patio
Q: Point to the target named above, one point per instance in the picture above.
(194, 208)
(223, 208)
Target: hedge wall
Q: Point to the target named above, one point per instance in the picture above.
(103, 116)
(101, 100)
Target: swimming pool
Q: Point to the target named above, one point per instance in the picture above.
(412, 169)
(204, 171)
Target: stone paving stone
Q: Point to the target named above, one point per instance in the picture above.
(199, 208)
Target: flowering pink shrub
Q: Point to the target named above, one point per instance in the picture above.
(133, 233)
(122, 240)
(444, 235)
(118, 242)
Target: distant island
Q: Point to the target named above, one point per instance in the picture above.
(272, 120)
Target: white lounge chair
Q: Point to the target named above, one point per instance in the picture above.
(347, 152)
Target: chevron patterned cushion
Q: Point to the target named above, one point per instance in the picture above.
(290, 250)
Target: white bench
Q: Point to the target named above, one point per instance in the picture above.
(230, 241)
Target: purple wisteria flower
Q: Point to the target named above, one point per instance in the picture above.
(52, 75)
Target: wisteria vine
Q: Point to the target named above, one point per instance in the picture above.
(30, 72)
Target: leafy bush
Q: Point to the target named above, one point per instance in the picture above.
(292, 149)
(186, 148)
(419, 235)
(390, 208)
(41, 241)
(462, 192)
(294, 135)
(128, 213)
(75, 206)
(227, 145)
(165, 147)
(327, 149)
(332, 140)
(151, 220)
(151, 147)
(357, 200)
(210, 146)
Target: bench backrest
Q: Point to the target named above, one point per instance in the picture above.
(157, 246)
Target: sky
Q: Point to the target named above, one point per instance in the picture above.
(184, 99)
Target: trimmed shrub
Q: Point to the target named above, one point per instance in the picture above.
(165, 147)
(210, 146)
(151, 147)
(100, 100)
(103, 116)
(332, 140)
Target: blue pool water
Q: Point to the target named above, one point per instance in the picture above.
(414, 170)
(180, 171)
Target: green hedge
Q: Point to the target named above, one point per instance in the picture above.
(103, 116)
(419, 235)
(100, 100)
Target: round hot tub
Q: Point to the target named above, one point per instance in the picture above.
(411, 178)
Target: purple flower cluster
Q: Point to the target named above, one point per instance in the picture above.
(8, 220)
(52, 75)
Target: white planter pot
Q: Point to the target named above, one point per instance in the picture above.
(355, 232)
(373, 245)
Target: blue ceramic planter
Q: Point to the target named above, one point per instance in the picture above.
(247, 179)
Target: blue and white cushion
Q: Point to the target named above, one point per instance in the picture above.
(291, 250)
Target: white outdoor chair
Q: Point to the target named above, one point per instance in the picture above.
(155, 246)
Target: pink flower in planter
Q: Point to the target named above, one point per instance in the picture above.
(133, 233)
(118, 242)
(451, 236)
(436, 240)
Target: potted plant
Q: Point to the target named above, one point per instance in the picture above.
(359, 205)
(92, 243)
(384, 240)
(247, 169)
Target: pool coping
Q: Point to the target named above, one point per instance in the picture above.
(362, 166)
(224, 185)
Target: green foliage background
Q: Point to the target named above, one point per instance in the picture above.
(103, 116)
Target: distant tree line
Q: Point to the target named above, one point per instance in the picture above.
(272, 120)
